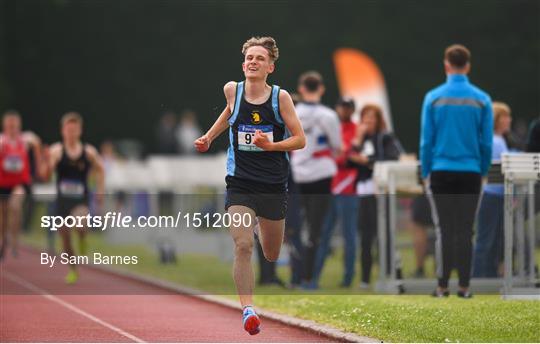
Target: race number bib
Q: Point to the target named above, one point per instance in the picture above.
(12, 164)
(71, 188)
(246, 135)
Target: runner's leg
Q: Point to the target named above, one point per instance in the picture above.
(72, 275)
(15, 206)
(66, 241)
(243, 242)
(3, 223)
(271, 237)
(65, 235)
(81, 210)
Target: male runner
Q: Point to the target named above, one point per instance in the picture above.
(15, 175)
(72, 160)
(263, 127)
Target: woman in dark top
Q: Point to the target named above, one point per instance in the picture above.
(372, 143)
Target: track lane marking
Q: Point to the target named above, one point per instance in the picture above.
(16, 279)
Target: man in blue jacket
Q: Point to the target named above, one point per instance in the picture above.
(455, 153)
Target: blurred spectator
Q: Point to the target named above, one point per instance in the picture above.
(533, 139)
(108, 155)
(516, 138)
(293, 233)
(488, 249)
(293, 224)
(372, 143)
(313, 166)
(296, 98)
(344, 204)
(533, 146)
(455, 153)
(166, 134)
(187, 132)
(130, 149)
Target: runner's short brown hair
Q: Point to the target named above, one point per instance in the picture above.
(457, 55)
(71, 117)
(268, 43)
(11, 113)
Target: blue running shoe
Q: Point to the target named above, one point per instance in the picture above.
(252, 323)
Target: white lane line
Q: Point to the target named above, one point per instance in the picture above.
(45, 294)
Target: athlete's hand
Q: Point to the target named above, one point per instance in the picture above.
(261, 140)
(202, 144)
(361, 130)
(359, 158)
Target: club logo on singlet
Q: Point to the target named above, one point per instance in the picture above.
(256, 117)
(246, 135)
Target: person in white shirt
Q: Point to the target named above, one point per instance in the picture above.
(187, 131)
(314, 166)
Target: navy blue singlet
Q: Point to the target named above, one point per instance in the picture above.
(244, 159)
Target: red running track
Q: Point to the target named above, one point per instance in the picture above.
(37, 306)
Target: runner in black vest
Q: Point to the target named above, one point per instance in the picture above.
(72, 181)
(72, 161)
(263, 127)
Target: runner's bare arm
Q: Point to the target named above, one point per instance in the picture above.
(97, 165)
(297, 140)
(202, 144)
(52, 157)
(34, 143)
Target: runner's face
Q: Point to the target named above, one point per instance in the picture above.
(71, 131)
(257, 63)
(11, 125)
